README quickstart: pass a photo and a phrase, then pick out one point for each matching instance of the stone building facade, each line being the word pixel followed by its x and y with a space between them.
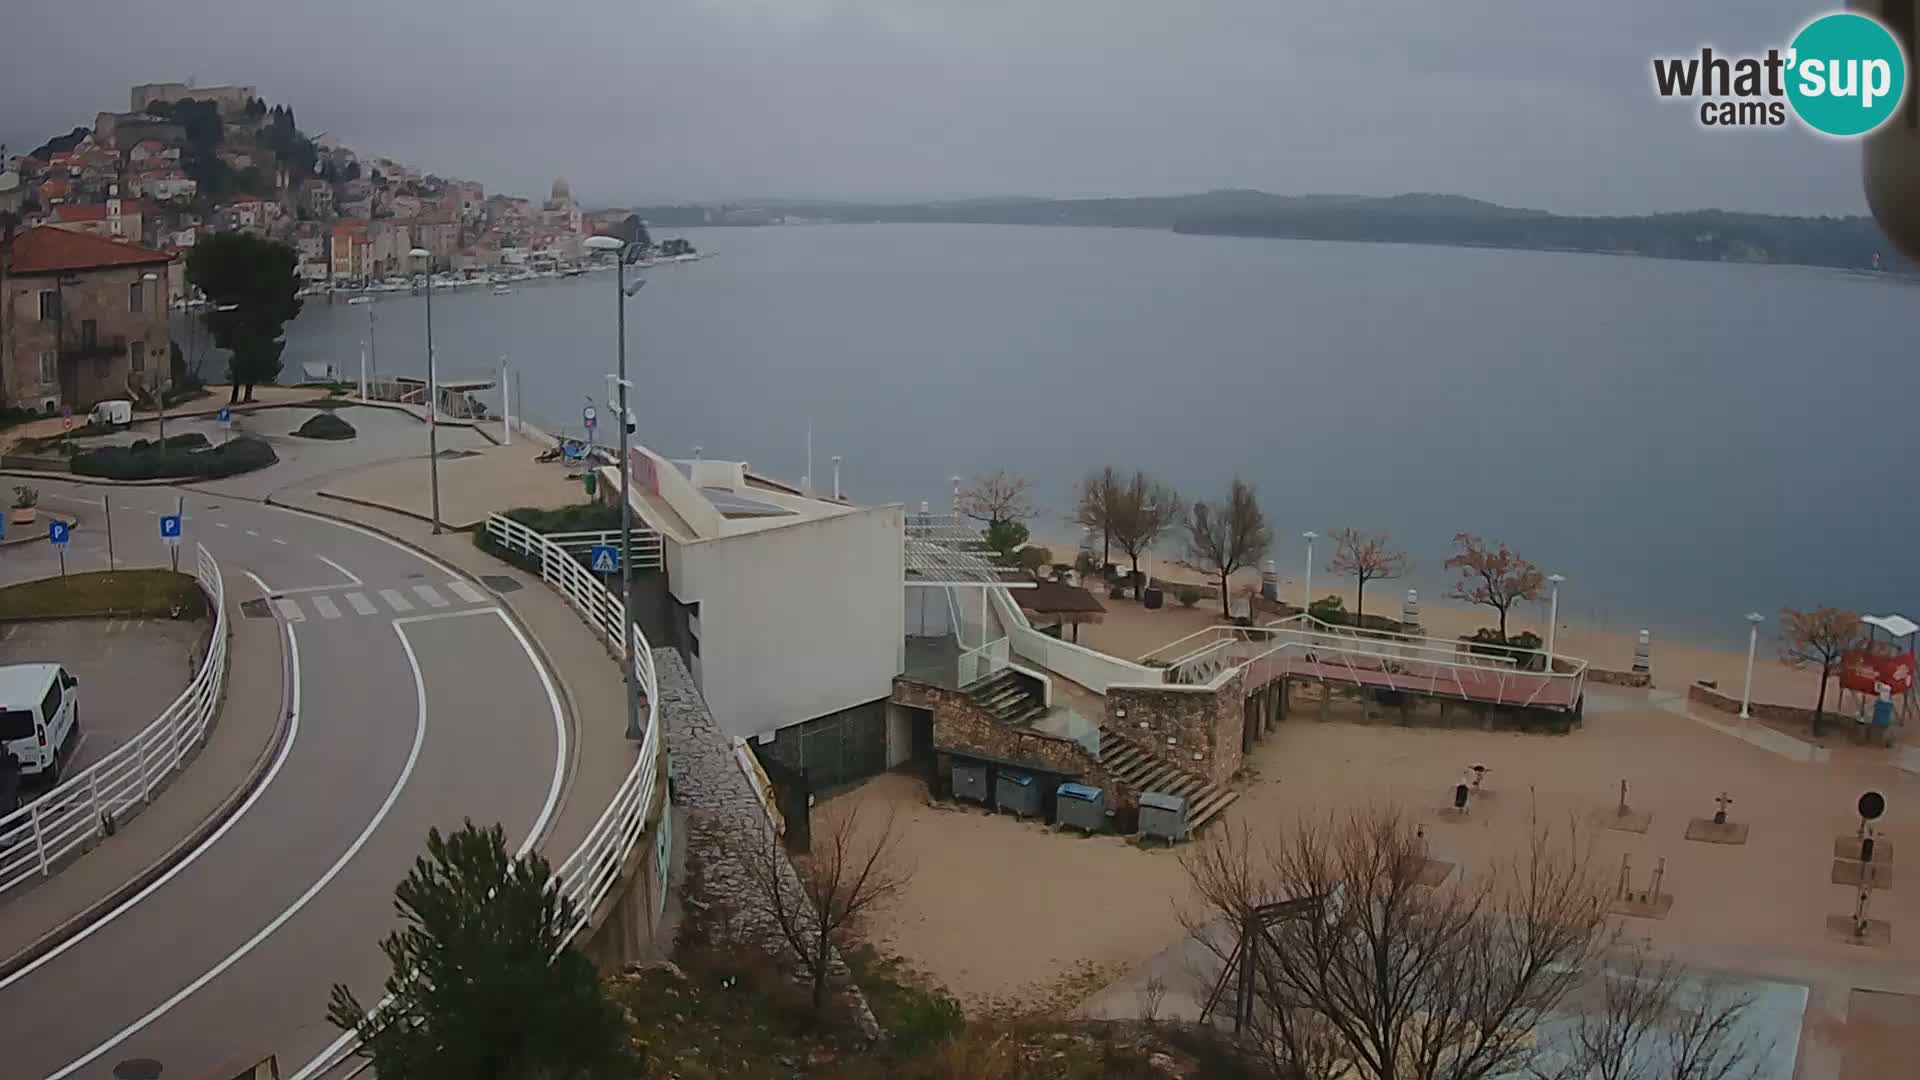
pixel 1198 728
pixel 83 318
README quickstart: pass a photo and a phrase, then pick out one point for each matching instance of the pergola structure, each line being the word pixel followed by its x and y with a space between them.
pixel 944 553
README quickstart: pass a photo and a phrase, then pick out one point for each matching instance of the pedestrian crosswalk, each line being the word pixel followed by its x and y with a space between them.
pixel 325 607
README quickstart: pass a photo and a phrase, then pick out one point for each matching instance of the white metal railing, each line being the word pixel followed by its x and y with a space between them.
pixel 1094 670
pixel 81 807
pixel 590 873
pixel 648 548
pixel 1400 662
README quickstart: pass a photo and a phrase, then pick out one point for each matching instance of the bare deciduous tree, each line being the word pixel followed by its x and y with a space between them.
pixel 818 907
pixel 1821 636
pixel 1646 1017
pixel 1224 538
pixel 1093 502
pixel 997 498
pixel 1142 512
pixel 1387 978
pixel 1365 556
pixel 1493 576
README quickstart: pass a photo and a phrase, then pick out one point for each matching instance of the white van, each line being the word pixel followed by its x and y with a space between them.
pixel 39 714
pixel 116 413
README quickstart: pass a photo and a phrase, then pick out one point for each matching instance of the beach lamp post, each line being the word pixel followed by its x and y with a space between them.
pixel 1754 619
pixel 1306 600
pixel 433 391
pixel 622 252
pixel 366 343
pixel 1553 616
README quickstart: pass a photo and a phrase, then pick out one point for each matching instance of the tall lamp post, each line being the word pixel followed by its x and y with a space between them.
pixel 366 344
pixel 1754 619
pixel 1306 601
pixel 622 251
pixel 1553 616
pixel 433 391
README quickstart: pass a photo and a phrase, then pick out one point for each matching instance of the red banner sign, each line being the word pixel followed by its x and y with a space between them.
pixel 1864 673
pixel 642 468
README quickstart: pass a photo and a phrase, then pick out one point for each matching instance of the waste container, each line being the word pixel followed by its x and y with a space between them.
pixel 970 781
pixel 1164 816
pixel 1080 806
pixel 1017 792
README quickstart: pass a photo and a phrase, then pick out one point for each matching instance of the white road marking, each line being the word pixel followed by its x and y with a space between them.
pixel 74 499
pixel 152 513
pixel 289 610
pixel 432 597
pixel 346 573
pixel 467 592
pixel 222 524
pixel 324 605
pixel 395 600
pixel 393 796
pixel 253 532
pixel 286 748
pixel 326 1058
pixel 360 604
pixel 279 541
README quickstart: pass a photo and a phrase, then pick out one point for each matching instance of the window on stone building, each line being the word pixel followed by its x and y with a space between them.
pixel 49 305
pixel 136 297
pixel 89 332
pixel 102 366
pixel 49 367
pixel 137 356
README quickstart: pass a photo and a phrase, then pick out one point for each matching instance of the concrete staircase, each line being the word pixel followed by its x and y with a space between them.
pixel 1008 698
pixel 1143 772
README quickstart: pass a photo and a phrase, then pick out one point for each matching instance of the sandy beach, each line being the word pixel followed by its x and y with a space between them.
pixel 1009 914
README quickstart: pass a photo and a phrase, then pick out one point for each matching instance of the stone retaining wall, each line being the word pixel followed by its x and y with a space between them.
pixel 722 809
pixel 1198 731
pixel 961 726
pixel 1636 679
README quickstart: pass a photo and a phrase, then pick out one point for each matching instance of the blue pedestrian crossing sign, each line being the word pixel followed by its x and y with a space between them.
pixel 606 559
pixel 225 417
pixel 57 532
pixel 170 528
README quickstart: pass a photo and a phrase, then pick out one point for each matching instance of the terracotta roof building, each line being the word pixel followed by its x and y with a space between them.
pixel 83 318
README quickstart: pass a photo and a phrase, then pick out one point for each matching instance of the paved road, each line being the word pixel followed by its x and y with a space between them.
pixel 122 665
pixel 416 704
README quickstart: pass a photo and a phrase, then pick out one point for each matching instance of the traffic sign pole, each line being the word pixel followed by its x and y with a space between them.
pixel 106 504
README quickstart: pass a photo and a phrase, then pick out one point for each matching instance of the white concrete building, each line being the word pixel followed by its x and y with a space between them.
pixel 787 605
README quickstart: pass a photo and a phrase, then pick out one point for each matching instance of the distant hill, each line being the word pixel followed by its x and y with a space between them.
pixel 1850 243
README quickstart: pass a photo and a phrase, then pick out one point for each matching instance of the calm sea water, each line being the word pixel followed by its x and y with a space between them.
pixel 1685 441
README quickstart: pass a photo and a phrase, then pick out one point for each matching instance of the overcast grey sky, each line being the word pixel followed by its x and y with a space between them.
pixel 1543 104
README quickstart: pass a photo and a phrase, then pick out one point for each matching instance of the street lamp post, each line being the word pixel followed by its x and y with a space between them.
pixel 1306 601
pixel 1553 617
pixel 1754 619
pixel 433 390
pixel 366 344
pixel 620 249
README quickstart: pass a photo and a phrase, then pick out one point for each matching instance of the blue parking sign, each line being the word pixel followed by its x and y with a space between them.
pixel 606 559
pixel 170 528
pixel 225 417
pixel 57 532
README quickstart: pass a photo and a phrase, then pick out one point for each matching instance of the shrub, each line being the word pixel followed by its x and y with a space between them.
pixel 1189 596
pixel 1086 563
pixel 1033 557
pixel 1116 591
pixel 325 425
pixel 1487 641
pixel 148 462
pixel 25 497
pixel 1329 609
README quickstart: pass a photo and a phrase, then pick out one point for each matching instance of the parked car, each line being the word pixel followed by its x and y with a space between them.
pixel 39 715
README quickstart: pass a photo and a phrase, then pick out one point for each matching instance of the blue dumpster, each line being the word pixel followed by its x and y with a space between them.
pixel 1080 806
pixel 1017 792
pixel 970 781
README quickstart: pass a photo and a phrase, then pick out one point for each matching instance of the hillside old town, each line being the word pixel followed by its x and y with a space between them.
pixel 95 225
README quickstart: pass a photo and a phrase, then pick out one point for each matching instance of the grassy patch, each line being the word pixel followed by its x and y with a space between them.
pixel 122 592
pixel 915 1012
